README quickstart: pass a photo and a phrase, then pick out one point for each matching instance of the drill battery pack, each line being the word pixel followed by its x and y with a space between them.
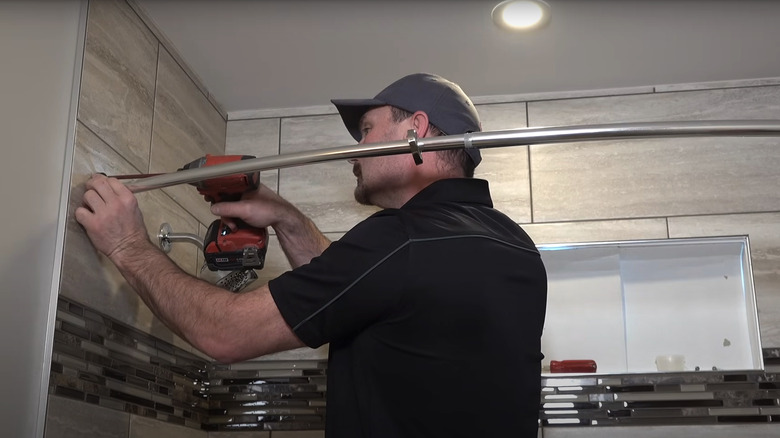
pixel 226 250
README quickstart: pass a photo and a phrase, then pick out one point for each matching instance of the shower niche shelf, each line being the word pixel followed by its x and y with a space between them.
pixel 626 304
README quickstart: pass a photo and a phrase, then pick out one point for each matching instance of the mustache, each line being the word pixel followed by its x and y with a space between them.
pixel 356 170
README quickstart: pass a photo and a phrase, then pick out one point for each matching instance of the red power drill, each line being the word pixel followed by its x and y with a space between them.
pixel 225 249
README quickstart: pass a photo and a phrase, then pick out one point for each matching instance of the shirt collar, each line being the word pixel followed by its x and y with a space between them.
pixel 468 190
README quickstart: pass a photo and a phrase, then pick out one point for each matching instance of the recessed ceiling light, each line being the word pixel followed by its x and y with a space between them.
pixel 521 14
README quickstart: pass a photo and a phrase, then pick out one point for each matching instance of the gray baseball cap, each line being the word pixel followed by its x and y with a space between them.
pixel 447 106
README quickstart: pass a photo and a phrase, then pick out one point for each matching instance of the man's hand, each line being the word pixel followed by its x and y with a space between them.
pixel 299 237
pixel 111 216
pixel 260 208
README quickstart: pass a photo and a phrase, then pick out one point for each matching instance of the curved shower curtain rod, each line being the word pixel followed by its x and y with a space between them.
pixel 489 139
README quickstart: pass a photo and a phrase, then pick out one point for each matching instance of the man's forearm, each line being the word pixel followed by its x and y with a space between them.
pixel 175 297
pixel 300 239
pixel 226 326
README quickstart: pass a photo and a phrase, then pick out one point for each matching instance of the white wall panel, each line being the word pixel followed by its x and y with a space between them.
pixel 41 47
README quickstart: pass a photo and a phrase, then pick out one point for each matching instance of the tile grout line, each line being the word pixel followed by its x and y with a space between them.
pixel 154 109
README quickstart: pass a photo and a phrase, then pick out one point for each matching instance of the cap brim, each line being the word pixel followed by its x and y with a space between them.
pixel 352 110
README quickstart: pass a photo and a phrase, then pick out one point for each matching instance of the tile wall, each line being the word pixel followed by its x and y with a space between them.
pixel 102 362
pixel 140 110
pixel 703 398
pixel 111 379
pixel 271 395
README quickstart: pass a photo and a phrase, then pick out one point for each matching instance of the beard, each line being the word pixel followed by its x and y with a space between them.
pixel 362 193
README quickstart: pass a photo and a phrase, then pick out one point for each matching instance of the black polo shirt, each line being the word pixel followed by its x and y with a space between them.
pixel 434 315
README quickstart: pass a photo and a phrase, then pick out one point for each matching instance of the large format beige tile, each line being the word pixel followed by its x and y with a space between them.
pixel 597 231
pixel 258 137
pixel 92 156
pixel 142 427
pixel 764 235
pixel 255 137
pixel 741 83
pixel 557 95
pixel 323 191
pixel 647 178
pixel 117 90
pixel 506 169
pixel 66 418
pixel 186 127
pixel 159 208
pixel 92 279
pixel 500 116
pixel 660 177
pixel 731 103
pixel 166 42
pixel 88 277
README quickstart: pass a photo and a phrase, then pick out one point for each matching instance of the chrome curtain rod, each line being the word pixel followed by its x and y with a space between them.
pixel 489 139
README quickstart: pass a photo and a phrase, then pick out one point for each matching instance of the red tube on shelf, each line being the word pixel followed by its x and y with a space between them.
pixel 573 366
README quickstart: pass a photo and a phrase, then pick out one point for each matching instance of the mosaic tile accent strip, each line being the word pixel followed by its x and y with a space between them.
pixel 277 395
pixel 99 360
pixel 662 399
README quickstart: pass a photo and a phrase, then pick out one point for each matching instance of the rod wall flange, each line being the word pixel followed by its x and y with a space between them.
pixel 166 237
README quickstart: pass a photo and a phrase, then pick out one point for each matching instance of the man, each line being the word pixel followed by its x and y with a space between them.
pixel 433 307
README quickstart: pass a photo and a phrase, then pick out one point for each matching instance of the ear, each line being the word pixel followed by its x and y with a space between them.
pixel 420 123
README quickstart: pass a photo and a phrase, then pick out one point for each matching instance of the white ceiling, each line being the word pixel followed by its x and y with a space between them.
pixel 272 54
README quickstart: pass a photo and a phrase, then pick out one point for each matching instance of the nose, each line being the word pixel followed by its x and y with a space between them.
pixel 352 161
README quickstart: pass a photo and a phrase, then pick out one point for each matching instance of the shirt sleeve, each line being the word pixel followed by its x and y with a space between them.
pixel 356 281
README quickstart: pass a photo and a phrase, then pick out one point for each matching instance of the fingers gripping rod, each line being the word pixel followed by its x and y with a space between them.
pixel 490 139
